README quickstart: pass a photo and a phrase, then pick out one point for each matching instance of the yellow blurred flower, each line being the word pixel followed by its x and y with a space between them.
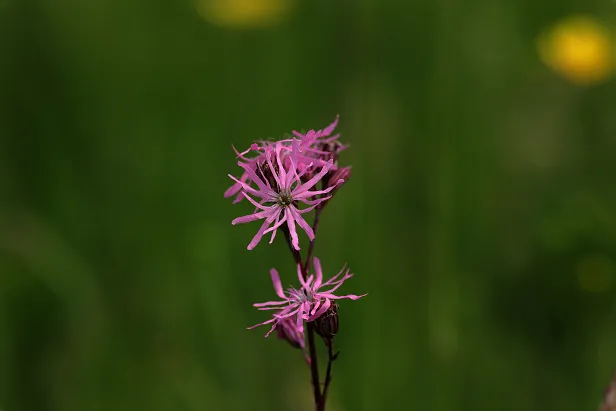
pixel 579 48
pixel 244 13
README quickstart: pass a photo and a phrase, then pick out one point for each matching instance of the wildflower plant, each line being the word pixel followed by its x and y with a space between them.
pixel 284 181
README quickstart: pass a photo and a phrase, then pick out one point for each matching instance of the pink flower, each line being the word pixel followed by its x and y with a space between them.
pixel 344 174
pixel 279 190
pixel 285 329
pixel 320 145
pixel 236 188
pixel 316 147
pixel 306 304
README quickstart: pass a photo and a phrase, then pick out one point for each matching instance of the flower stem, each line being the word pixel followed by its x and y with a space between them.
pixel 319 400
pixel 320 405
pixel 328 375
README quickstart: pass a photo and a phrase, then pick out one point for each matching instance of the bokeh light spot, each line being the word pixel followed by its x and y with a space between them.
pixel 245 13
pixel 578 48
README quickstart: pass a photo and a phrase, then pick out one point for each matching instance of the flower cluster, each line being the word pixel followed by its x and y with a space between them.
pixel 307 303
pixel 284 180
pixel 285 174
pixel 316 147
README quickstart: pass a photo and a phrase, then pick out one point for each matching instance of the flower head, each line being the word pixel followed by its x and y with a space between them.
pixel 316 148
pixel 313 299
pixel 280 189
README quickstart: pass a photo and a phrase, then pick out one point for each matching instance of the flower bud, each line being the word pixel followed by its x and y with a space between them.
pixel 342 173
pixel 285 330
pixel 327 324
pixel 331 150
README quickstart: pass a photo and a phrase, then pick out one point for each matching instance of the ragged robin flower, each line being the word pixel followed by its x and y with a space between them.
pixel 309 302
pixel 279 191
pixel 316 148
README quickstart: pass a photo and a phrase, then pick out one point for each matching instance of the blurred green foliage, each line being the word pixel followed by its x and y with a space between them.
pixel 480 217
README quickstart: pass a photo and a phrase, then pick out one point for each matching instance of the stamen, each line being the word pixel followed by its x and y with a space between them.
pixel 284 199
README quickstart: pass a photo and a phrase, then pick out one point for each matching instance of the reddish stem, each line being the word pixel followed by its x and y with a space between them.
pixel 319 397
pixel 328 373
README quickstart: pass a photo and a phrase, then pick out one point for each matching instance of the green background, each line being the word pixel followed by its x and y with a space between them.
pixel 480 218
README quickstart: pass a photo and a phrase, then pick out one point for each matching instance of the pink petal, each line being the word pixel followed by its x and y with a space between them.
pixel 289 311
pixel 338 283
pixel 316 306
pixel 311 135
pixel 257 237
pixel 250 217
pixel 271 329
pixel 251 190
pixel 238 198
pixel 299 324
pixel 272 303
pixel 337 297
pixel 333 138
pixel 315 151
pixel 302 223
pixel 274 228
pixel 260 324
pixel 293 168
pixel 321 310
pixel 306 210
pixel 331 280
pixel 328 130
pixel 257 205
pixel 307 194
pixel 315 179
pixel 306 168
pixel 271 165
pixel 318 271
pixel 291 225
pixel 282 172
pixel 264 189
pixel 242 155
pixel 301 278
pixel 302 314
pixel 277 284
pixel 234 189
